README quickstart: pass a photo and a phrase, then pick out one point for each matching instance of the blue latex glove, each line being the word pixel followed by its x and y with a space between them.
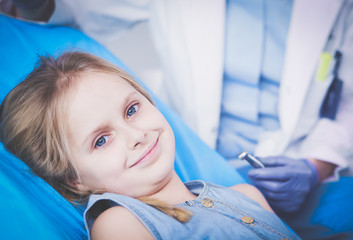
pixel 285 182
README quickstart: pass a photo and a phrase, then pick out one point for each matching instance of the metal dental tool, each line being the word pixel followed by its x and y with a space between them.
pixel 256 163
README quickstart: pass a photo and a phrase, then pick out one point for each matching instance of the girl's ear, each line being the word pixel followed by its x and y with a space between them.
pixel 76 184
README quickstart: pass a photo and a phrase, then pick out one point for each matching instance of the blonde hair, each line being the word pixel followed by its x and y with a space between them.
pixel 31 126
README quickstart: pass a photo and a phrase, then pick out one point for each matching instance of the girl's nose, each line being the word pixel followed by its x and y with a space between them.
pixel 136 137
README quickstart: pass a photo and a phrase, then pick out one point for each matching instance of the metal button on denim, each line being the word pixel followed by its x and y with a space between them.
pixel 247 219
pixel 206 202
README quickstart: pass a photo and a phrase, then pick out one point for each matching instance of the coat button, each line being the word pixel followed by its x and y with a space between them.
pixel 247 219
pixel 206 202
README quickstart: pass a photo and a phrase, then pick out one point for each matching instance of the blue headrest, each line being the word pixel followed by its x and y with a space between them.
pixel 30 208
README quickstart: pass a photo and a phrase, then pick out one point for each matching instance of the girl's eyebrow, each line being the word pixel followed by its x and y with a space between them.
pixel 104 127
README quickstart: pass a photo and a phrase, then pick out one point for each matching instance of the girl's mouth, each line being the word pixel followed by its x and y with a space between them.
pixel 149 154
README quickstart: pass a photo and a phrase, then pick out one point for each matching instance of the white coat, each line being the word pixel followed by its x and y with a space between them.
pixel 189 38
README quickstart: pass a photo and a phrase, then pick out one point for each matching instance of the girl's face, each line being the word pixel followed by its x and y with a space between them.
pixel 119 141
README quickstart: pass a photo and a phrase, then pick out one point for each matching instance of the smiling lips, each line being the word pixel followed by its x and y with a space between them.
pixel 148 154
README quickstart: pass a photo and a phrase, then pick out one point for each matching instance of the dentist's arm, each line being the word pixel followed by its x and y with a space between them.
pixel 324 169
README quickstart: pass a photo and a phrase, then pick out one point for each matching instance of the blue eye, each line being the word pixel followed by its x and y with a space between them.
pixel 100 142
pixel 132 110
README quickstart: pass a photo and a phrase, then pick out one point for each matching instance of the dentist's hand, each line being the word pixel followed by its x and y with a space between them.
pixel 28 4
pixel 285 182
pixel 38 10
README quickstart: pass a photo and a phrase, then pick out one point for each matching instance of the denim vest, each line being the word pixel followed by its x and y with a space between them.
pixel 217 213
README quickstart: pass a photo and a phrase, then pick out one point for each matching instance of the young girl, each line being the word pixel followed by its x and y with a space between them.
pixel 90 130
